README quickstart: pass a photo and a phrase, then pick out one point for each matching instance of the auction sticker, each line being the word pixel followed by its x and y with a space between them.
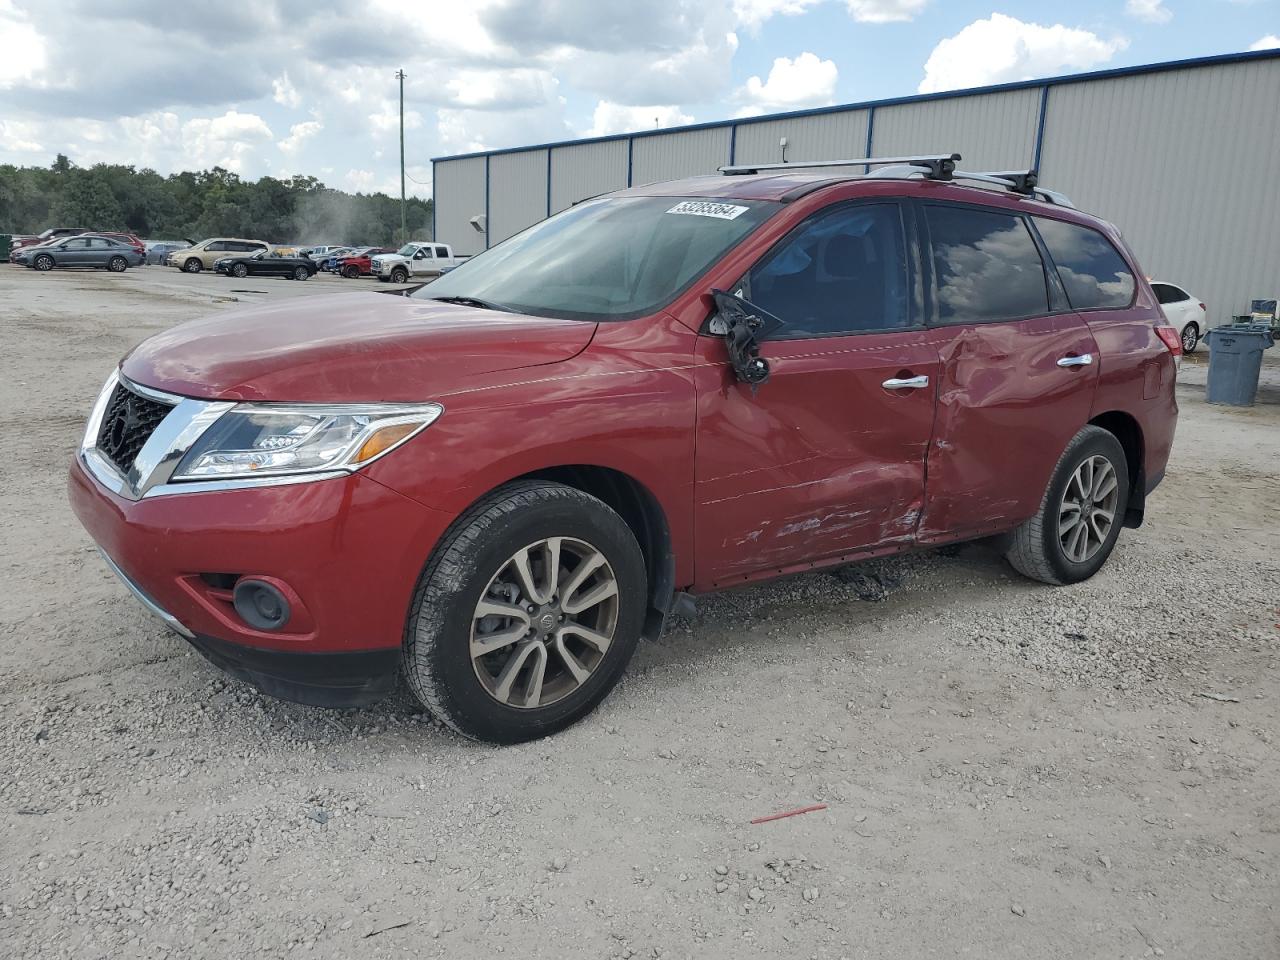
pixel 708 208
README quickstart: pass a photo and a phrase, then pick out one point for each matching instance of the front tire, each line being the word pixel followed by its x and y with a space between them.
pixel 351 272
pixel 526 614
pixel 1074 531
pixel 43 263
pixel 399 276
pixel 1190 338
pixel 117 264
pixel 301 273
pixel 240 270
pixel 192 265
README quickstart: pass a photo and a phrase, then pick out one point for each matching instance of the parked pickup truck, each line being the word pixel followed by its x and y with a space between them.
pixel 417 259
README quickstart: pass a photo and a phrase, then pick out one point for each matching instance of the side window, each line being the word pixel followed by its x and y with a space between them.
pixel 442 252
pixel 1168 293
pixel 842 272
pixel 76 245
pixel 423 253
pixel 1092 270
pixel 986 266
pixel 218 246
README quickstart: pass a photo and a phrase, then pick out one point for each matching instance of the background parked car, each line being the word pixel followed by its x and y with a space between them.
pixel 330 260
pixel 21 240
pixel 266 265
pixel 158 250
pixel 53 233
pixel 205 254
pixel 132 239
pixel 88 251
pixel 1183 311
pixel 358 264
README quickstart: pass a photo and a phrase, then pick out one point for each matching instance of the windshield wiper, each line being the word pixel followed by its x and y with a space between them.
pixel 474 302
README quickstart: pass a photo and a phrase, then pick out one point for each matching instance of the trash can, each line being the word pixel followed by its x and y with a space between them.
pixel 6 246
pixel 1235 360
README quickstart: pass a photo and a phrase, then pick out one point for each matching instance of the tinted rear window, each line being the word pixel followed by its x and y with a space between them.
pixel 986 266
pixel 1092 270
pixel 1167 293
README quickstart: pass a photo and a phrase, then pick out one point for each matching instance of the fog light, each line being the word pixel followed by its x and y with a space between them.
pixel 260 605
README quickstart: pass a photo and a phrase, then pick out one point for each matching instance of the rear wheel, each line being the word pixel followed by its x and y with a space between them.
pixel 399 275
pixel 192 265
pixel 117 264
pixel 527 613
pixel 1075 530
pixel 43 262
pixel 1190 338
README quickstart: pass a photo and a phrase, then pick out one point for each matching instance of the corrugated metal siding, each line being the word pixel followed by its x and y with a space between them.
pixel 833 136
pixel 993 131
pixel 676 155
pixel 517 192
pixel 1187 165
pixel 459 196
pixel 586 170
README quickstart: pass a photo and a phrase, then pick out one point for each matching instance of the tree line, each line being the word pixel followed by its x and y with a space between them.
pixel 200 204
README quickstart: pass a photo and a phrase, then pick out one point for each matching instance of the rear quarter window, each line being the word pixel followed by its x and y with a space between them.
pixel 1094 274
pixel 986 266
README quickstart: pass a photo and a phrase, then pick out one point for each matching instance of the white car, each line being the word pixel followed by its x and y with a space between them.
pixel 1187 314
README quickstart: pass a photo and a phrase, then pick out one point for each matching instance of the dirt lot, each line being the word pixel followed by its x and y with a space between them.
pixel 1011 770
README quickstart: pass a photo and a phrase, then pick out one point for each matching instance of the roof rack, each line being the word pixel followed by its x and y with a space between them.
pixel 938 167
pixel 1022 182
pixel 932 167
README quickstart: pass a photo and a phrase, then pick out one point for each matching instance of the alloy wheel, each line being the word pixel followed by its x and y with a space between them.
pixel 44 263
pixel 1189 338
pixel 544 622
pixel 1088 509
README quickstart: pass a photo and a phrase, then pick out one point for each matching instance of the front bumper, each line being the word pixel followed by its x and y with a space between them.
pixel 346 550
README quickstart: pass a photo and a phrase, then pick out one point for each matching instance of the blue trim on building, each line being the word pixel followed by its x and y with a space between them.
pixel 433 199
pixel 548 181
pixel 631 145
pixel 1044 110
pixel 733 143
pixel 896 101
pixel 486 202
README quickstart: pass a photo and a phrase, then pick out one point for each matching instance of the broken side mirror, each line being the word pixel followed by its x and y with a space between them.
pixel 744 326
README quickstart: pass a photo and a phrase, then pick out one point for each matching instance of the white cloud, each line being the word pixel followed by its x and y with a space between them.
pixel 360 180
pixel 752 13
pixel 885 11
pixel 1002 49
pixel 224 141
pixel 298 133
pixel 22 48
pixel 805 81
pixel 610 118
pixel 1150 11
pixel 18 137
pixel 284 92
pixel 1269 42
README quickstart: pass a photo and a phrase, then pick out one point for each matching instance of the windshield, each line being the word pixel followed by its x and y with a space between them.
pixel 408 250
pixel 608 259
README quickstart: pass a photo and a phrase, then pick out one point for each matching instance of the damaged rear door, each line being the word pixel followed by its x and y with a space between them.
pixel 826 457
pixel 1019 370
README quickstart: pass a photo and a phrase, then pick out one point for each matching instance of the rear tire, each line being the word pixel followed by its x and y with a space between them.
pixel 1080 516
pixel 117 264
pixel 1190 337
pixel 192 265
pixel 476 564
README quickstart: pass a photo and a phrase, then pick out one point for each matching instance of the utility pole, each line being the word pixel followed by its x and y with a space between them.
pixel 404 216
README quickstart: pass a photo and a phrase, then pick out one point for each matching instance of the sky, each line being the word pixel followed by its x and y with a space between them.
pixel 282 87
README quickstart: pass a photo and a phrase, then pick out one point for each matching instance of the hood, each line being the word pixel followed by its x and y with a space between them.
pixel 390 257
pixel 348 348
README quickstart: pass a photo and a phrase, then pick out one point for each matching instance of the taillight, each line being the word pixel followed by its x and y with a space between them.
pixel 1171 340
pixel 1203 308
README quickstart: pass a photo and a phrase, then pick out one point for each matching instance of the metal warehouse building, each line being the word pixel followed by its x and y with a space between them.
pixel 1184 157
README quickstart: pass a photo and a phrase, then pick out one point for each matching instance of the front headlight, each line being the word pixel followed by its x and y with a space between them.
pixel 264 440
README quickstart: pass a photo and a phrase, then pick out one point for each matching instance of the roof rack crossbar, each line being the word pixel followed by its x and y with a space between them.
pixel 937 166
pixel 1022 182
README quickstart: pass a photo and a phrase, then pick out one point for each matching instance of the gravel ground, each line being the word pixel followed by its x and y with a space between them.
pixel 1009 770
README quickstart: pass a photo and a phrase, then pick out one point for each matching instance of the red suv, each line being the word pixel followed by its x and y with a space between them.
pixel 500 483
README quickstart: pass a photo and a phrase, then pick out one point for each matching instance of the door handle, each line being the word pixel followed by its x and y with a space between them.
pixel 905 383
pixel 1084 360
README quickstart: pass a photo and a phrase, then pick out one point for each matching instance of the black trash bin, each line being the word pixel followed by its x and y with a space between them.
pixel 1235 360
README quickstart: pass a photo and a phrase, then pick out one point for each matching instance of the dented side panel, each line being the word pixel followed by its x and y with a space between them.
pixel 821 461
pixel 1006 411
